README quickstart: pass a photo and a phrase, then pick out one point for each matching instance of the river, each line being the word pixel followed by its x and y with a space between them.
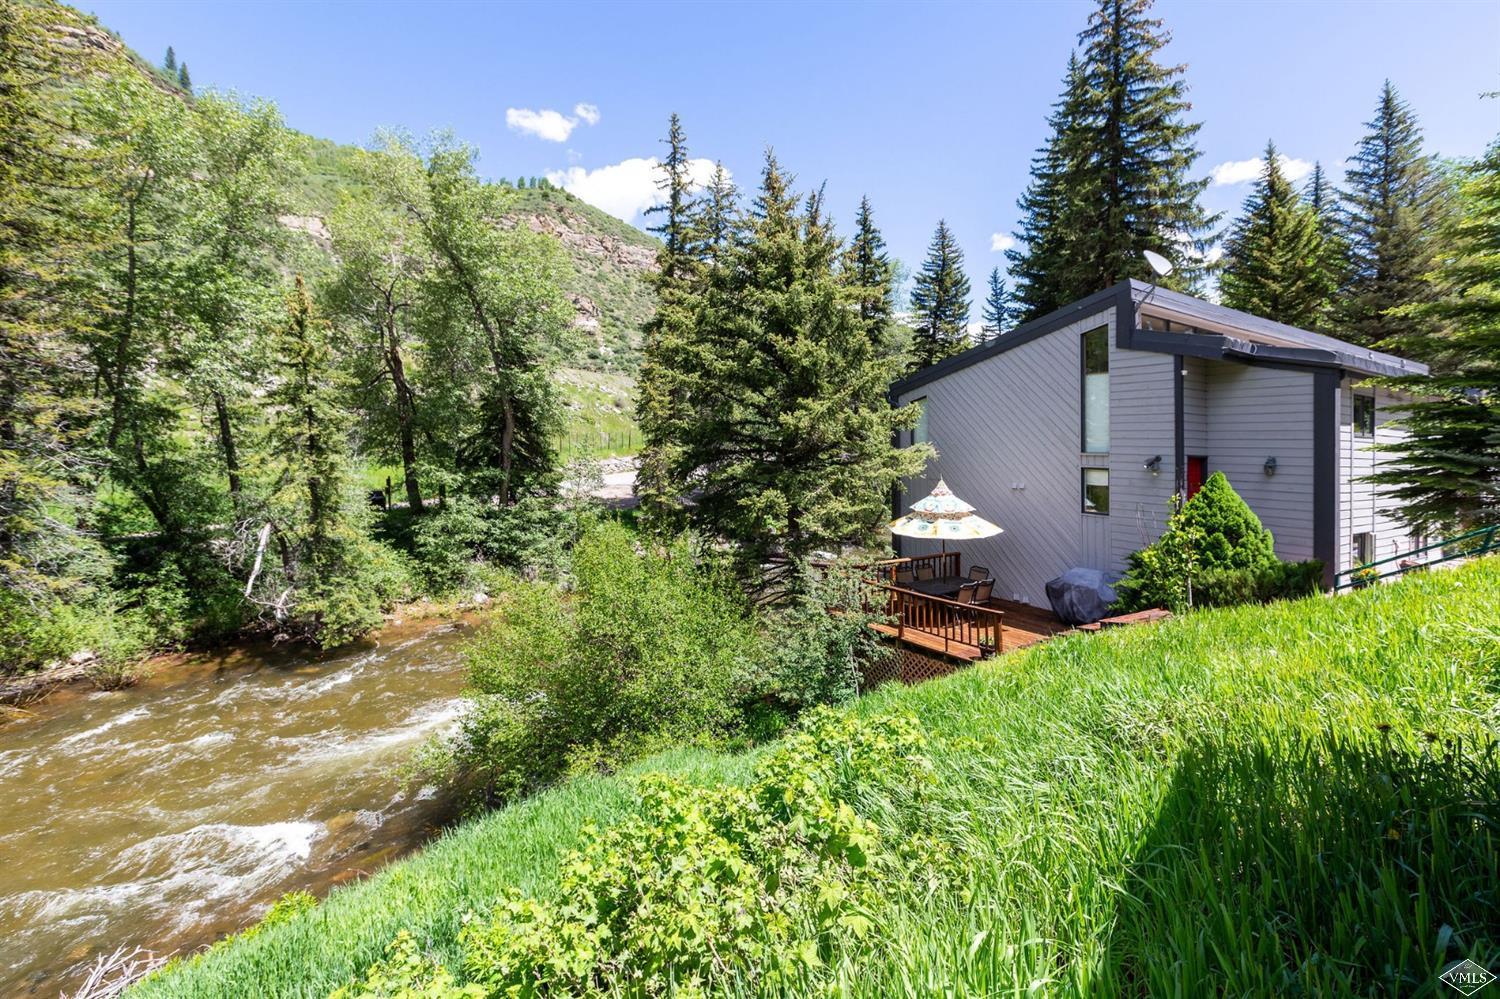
pixel 169 813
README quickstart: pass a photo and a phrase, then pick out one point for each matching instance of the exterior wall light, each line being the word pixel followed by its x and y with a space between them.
pixel 1153 465
pixel 1270 467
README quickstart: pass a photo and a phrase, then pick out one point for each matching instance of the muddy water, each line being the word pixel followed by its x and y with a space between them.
pixel 170 813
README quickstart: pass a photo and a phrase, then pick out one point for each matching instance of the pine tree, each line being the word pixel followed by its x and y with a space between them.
pixel 661 401
pixel 1394 201
pixel 1039 262
pixel 785 434
pixel 867 268
pixel 940 300
pixel 1446 472
pixel 184 80
pixel 676 208
pixel 999 312
pixel 1274 253
pixel 713 223
pixel 1132 192
pixel 1323 199
pixel 1112 180
pixel 170 62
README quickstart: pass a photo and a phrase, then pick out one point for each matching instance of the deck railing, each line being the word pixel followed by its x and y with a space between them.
pixel 943 564
pixel 954 623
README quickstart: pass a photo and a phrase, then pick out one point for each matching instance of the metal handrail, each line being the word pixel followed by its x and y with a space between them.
pixel 1356 577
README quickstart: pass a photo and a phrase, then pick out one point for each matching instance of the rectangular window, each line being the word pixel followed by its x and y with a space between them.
pixel 919 432
pixel 1364 415
pixel 1096 391
pixel 1363 548
pixel 1096 491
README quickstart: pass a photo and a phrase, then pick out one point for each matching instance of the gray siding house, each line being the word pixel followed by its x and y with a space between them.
pixel 1073 432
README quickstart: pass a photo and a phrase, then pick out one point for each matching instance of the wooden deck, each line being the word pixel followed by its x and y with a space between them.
pixel 1022 625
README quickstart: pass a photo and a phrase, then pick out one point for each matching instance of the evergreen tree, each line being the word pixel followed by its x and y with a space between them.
pixel 940 301
pixel 661 401
pixel 1113 179
pixel 1132 192
pixel 170 62
pixel 1039 263
pixel 1323 199
pixel 1446 472
pixel 999 312
pixel 713 223
pixel 1274 253
pixel 785 433
pixel 867 268
pixel 184 80
pixel 1394 202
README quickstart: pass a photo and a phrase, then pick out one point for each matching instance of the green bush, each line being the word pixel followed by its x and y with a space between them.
pixel 815 647
pixel 750 888
pixel 457 547
pixel 1276 581
pixel 1214 532
pixel 650 648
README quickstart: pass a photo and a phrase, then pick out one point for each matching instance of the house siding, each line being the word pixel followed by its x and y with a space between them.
pixel 1255 413
pixel 1142 425
pixel 1363 506
pixel 1007 432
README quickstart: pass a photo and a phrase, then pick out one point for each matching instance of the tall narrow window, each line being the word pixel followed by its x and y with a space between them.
pixel 919 432
pixel 1364 415
pixel 1096 391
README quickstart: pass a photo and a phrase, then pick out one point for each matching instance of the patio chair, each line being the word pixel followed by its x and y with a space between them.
pixel 904 576
pixel 982 591
pixel 978 572
pixel 925 571
pixel 966 593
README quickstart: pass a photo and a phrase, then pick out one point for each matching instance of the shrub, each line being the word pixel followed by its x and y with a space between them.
pixel 649 648
pixel 1214 532
pixel 749 888
pixel 1276 581
pixel 815 647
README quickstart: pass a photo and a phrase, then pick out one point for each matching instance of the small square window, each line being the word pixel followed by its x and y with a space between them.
pixel 1096 491
pixel 1364 415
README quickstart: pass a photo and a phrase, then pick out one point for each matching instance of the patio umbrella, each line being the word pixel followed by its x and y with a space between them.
pixel 942 516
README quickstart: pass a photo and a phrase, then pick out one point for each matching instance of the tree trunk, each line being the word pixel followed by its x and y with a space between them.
pixel 226 441
pixel 405 417
pixel 507 447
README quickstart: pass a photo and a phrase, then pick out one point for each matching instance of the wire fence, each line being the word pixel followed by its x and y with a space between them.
pixel 597 443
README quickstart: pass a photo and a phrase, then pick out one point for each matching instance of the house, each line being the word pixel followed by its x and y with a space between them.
pixel 1075 431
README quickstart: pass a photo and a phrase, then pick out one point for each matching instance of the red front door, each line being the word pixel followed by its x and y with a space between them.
pixel 1197 471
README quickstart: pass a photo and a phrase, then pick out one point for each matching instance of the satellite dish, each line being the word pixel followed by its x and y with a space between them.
pixel 1160 264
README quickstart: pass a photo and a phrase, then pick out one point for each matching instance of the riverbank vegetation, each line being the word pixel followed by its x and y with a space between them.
pixel 1297 796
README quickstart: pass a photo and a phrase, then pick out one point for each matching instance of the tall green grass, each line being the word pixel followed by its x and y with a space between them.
pixel 1302 798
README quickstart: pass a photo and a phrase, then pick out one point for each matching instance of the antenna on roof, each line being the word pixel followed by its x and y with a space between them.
pixel 1160 266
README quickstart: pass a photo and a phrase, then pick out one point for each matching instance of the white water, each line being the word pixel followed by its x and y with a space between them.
pixel 169 814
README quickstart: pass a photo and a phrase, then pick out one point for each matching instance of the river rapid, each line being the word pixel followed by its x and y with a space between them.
pixel 169 813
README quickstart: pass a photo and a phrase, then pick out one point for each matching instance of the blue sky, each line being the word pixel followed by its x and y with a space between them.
pixel 931 109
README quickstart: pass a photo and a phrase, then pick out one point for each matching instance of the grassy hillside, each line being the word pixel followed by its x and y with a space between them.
pixel 1295 799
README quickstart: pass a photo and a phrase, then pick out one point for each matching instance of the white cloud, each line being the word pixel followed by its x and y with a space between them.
pixel 625 189
pixel 553 126
pixel 1000 242
pixel 1244 171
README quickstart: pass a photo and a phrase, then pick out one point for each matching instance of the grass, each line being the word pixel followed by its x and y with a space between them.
pixel 600 408
pixel 1301 798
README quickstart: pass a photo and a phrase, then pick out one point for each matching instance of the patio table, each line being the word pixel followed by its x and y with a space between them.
pixel 942 586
